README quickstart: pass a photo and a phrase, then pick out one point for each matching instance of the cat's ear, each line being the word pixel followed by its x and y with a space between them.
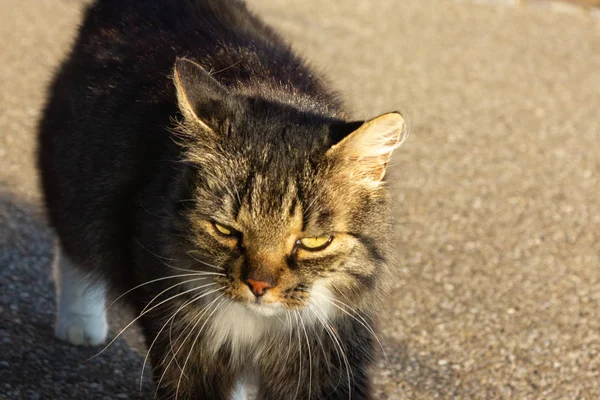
pixel 201 98
pixel 366 147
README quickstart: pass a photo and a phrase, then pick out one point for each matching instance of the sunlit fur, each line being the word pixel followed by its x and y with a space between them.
pixel 184 151
pixel 273 198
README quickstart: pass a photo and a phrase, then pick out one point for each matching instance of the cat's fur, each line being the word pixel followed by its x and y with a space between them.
pixel 169 116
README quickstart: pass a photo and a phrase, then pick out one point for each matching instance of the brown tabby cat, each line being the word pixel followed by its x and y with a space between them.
pixel 190 159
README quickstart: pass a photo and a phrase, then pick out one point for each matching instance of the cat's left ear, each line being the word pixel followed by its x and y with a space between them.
pixel 201 98
pixel 365 151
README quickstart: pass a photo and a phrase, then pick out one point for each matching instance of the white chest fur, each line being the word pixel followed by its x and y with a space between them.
pixel 241 327
pixel 245 330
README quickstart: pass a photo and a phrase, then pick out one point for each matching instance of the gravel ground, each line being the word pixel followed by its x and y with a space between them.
pixel 497 291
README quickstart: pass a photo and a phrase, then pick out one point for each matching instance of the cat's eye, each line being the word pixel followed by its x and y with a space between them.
pixel 223 230
pixel 315 243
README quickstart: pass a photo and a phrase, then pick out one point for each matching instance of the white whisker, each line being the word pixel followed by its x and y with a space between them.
pixel 335 338
pixel 160 331
pixel 178 284
pixel 158 280
pixel 224 69
pixel 193 343
pixel 310 205
pixel 309 359
pixel 140 316
pixel 154 254
pixel 337 349
pixel 295 314
pixel 319 339
pixel 162 258
pixel 198 319
pixel 362 321
pixel 186 328
pixel 291 323
pixel 189 253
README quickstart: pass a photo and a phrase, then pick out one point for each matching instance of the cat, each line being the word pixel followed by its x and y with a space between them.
pixel 192 161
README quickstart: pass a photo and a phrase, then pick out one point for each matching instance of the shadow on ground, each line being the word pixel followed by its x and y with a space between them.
pixel 30 356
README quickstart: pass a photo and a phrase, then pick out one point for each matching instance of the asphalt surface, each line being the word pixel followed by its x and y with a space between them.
pixel 497 290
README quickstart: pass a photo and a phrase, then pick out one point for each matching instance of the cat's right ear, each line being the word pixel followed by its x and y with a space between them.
pixel 202 100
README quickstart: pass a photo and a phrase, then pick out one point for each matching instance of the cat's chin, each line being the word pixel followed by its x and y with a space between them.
pixel 265 310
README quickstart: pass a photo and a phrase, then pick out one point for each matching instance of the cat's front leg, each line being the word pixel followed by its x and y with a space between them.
pixel 81 314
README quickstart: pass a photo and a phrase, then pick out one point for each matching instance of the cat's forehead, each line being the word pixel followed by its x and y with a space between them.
pixel 268 196
pixel 272 156
pixel 270 210
pixel 274 196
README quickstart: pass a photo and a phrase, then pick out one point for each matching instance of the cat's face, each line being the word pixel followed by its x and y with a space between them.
pixel 288 209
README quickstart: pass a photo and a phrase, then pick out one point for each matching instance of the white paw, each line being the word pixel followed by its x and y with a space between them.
pixel 82 330
pixel 81 318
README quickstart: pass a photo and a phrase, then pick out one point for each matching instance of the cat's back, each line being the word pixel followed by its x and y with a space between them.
pixel 122 61
pixel 138 41
pixel 230 20
pixel 169 28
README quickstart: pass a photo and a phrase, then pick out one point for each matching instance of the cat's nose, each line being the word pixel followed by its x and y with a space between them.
pixel 258 287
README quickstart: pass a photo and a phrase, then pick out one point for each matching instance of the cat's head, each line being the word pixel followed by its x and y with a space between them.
pixel 287 207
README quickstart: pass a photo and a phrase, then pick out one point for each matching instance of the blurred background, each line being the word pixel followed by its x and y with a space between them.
pixel 497 286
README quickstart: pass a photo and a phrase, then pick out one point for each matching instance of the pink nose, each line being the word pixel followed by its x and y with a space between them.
pixel 258 287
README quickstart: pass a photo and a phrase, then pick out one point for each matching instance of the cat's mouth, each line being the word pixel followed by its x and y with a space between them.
pixel 271 302
pixel 265 309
